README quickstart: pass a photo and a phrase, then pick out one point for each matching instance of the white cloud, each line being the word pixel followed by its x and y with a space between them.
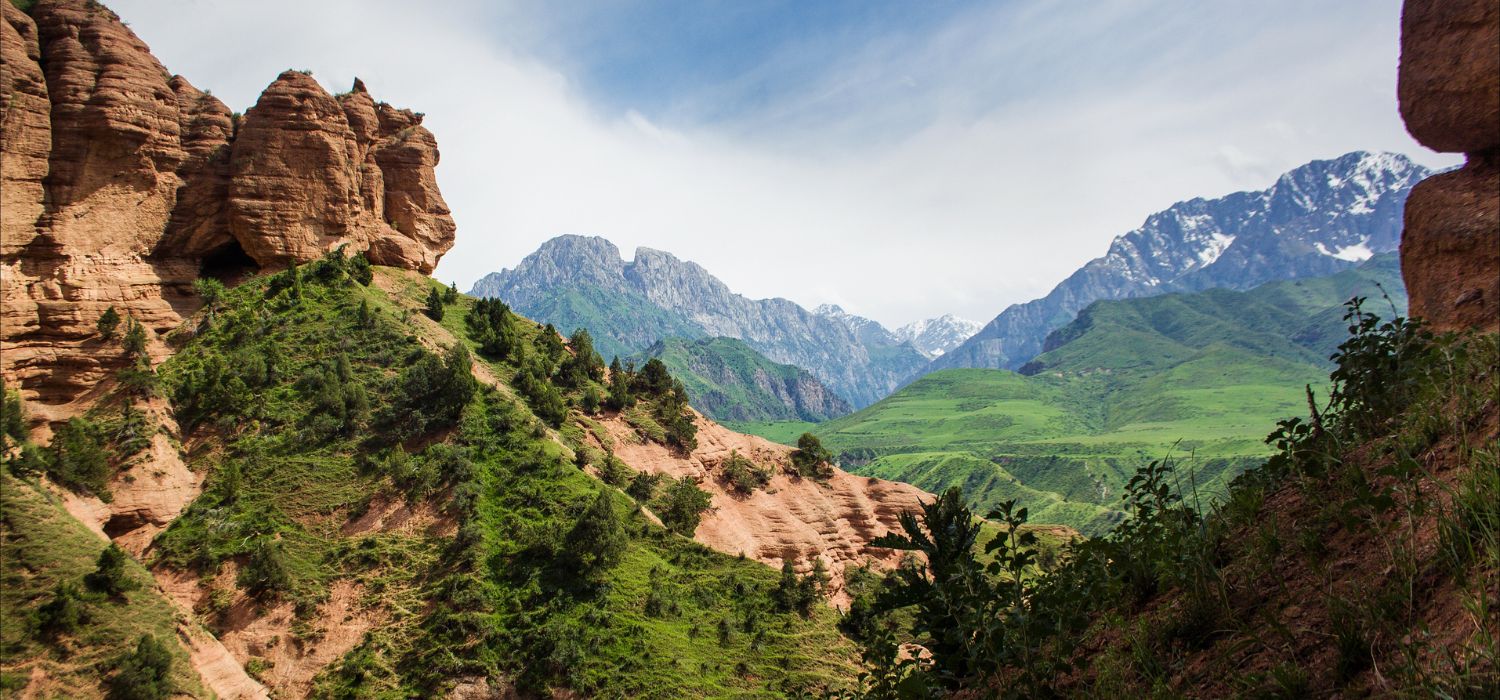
pixel 902 184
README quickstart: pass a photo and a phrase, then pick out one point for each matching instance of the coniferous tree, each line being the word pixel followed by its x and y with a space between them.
pixel 143 674
pixel 135 338
pixel 359 269
pixel 620 397
pixel 434 308
pixel 64 613
pixel 77 458
pixel 365 317
pixel 109 575
pixel 294 273
pixel 683 506
pixel 210 291
pixel 812 459
pixel 108 322
pixel 643 486
pixel 450 296
pixel 597 541
pixel 12 415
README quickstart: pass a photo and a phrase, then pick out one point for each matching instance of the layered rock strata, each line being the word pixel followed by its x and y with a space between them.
pixel 121 184
pixel 792 518
pixel 1450 99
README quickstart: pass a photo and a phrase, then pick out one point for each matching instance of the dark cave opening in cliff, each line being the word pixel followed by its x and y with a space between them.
pixel 228 263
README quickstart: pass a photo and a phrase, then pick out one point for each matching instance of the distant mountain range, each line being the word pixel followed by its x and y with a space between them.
pixel 582 282
pixel 1318 219
pixel 1203 376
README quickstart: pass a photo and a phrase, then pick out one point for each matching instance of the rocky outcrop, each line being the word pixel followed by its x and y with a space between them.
pixel 1450 98
pixel 121 184
pixel 310 172
pixel 1316 220
pixel 792 518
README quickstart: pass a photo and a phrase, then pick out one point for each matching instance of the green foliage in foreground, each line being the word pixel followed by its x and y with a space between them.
pixel 543 575
pixel 1194 377
pixel 1400 399
pixel 52 619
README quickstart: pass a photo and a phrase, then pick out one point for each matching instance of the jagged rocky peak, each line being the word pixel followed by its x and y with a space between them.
pixel 1450 98
pixel 123 183
pixel 1317 219
pixel 935 336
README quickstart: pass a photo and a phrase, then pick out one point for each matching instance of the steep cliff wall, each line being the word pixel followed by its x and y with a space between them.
pixel 122 184
pixel 1450 98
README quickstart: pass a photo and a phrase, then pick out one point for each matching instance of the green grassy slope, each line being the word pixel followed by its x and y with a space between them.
pixel 1194 376
pixel 291 458
pixel 729 381
pixel 44 546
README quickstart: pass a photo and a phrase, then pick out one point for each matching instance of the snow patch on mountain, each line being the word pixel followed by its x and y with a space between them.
pixel 1359 252
pixel 935 336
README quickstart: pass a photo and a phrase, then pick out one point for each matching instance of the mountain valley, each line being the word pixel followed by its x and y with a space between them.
pixel 251 448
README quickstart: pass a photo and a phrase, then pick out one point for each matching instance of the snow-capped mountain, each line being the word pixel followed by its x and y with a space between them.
pixel 936 336
pixel 1317 219
pixel 869 331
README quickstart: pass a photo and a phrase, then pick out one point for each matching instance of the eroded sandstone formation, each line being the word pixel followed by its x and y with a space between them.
pixel 791 518
pixel 1450 98
pixel 122 184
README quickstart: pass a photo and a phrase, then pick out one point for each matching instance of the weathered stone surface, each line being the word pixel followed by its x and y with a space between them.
pixel 121 184
pixel 1450 73
pixel 111 156
pixel 294 180
pixel 26 139
pixel 199 223
pixel 1450 99
pixel 1450 252
pixel 310 172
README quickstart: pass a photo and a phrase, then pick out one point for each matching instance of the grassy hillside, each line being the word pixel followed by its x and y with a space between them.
pixel 347 447
pixel 45 551
pixel 1360 560
pixel 729 381
pixel 1194 376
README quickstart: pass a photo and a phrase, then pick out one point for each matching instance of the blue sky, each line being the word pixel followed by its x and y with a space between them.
pixel 901 159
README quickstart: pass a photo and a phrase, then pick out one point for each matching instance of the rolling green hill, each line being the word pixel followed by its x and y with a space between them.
pixel 1197 377
pixel 729 381
pixel 317 406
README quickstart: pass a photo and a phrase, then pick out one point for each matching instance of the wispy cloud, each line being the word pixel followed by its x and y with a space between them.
pixel 958 168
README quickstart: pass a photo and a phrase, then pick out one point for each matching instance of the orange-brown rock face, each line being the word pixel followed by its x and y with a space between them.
pixel 1450 99
pixel 792 518
pixel 1450 251
pixel 310 172
pixel 121 184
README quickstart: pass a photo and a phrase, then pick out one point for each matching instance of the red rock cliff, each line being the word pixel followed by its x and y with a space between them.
pixel 1450 98
pixel 121 184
